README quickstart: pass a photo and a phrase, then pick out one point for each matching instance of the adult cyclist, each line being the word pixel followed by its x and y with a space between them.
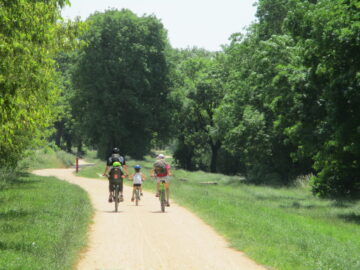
pixel 162 175
pixel 114 158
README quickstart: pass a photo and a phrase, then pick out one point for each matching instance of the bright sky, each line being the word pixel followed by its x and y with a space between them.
pixel 202 23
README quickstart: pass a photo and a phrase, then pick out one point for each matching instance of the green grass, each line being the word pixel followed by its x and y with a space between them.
pixel 283 228
pixel 43 223
pixel 93 171
pixel 46 158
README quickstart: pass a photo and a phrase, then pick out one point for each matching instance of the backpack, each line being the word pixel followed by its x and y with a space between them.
pixel 160 166
pixel 117 157
pixel 115 174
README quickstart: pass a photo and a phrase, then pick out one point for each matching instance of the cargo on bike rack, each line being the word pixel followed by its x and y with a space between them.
pixel 116 183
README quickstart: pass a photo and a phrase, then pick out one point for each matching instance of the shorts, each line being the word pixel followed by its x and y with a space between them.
pixel 163 178
pixel 111 185
pixel 136 185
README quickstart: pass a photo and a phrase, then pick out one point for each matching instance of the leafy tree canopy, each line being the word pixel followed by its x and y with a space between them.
pixel 122 82
pixel 31 33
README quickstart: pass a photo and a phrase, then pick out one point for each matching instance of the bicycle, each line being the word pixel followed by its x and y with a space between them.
pixel 137 195
pixel 115 187
pixel 115 193
pixel 162 195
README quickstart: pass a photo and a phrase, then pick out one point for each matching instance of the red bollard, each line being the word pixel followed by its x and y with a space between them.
pixel 77 164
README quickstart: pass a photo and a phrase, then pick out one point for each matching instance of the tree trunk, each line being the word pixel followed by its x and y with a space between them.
pixel 68 144
pixel 59 132
pixel 80 151
pixel 214 153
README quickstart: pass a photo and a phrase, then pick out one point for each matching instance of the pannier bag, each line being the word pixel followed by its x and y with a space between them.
pixel 116 173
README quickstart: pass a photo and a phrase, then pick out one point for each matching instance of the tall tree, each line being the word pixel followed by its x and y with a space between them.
pixel 246 115
pixel 200 92
pixel 293 98
pixel 328 32
pixel 67 133
pixel 122 82
pixel 31 33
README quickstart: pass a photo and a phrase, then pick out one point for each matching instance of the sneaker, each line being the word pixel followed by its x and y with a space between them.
pixel 132 199
pixel 167 204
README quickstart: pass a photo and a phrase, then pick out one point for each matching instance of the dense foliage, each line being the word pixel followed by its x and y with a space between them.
pixel 280 101
pixel 67 133
pixel 30 35
pixel 290 105
pixel 329 34
pixel 121 81
pixel 198 89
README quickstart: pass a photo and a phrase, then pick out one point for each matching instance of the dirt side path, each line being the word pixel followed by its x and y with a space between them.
pixel 143 238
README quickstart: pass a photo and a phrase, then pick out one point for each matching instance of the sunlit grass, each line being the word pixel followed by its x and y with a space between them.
pixel 282 228
pixel 43 223
pixel 46 158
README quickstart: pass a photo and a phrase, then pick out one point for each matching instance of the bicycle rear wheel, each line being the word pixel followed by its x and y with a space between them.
pixel 162 200
pixel 137 196
pixel 116 197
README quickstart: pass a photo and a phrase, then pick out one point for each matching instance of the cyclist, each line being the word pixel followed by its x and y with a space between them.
pixel 162 174
pixel 138 177
pixel 115 157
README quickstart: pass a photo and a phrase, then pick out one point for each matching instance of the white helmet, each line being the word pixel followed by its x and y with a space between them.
pixel 160 156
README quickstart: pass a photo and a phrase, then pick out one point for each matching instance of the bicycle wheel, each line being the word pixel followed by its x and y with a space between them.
pixel 162 200
pixel 116 199
pixel 137 196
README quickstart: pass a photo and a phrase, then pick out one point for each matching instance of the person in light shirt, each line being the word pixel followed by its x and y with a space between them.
pixel 138 177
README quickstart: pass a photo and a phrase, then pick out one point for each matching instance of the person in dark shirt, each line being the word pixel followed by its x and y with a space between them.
pixel 115 157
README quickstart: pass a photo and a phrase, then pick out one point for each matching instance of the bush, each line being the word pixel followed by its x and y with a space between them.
pixel 334 181
pixel 6 176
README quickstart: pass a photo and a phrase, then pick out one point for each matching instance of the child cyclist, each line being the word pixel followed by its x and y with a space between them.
pixel 138 177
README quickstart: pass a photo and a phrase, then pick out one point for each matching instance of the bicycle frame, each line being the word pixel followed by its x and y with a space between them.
pixel 115 193
pixel 136 192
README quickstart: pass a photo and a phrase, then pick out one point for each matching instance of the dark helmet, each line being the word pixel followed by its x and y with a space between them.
pixel 137 167
pixel 116 150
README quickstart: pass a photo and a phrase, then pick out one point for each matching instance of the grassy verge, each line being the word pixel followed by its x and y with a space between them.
pixel 43 223
pixel 47 158
pixel 93 171
pixel 284 228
